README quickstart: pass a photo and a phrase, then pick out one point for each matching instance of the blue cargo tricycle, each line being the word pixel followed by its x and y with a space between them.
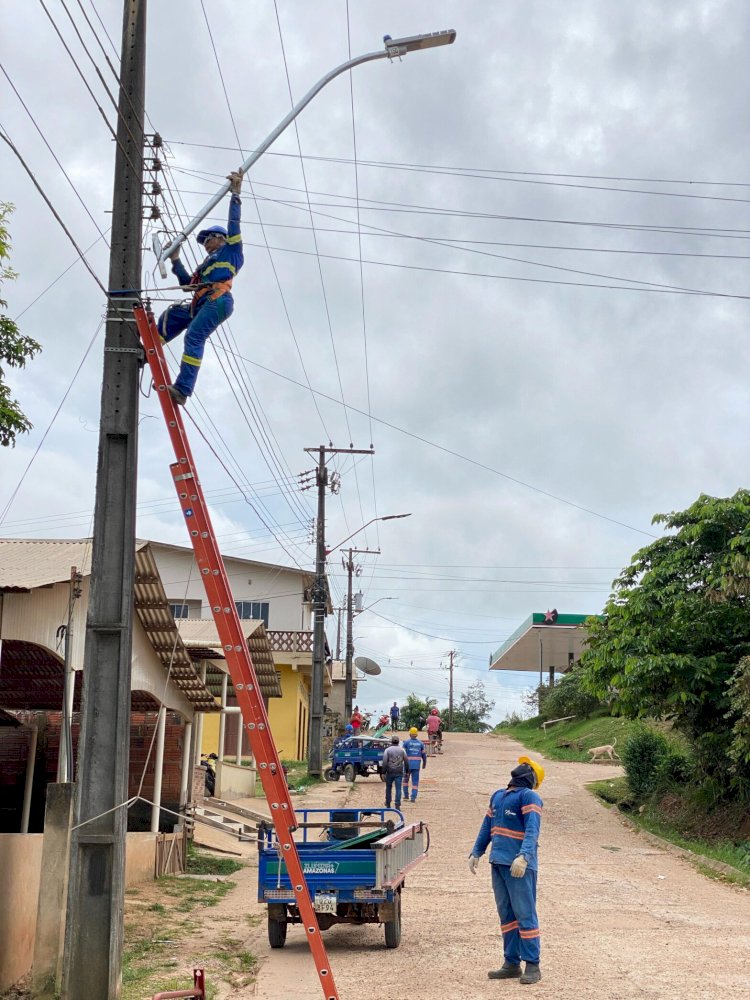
pixel 357 756
pixel 354 874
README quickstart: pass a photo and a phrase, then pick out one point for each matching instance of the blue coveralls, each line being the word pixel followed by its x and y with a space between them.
pixel 417 758
pixel 512 825
pixel 211 304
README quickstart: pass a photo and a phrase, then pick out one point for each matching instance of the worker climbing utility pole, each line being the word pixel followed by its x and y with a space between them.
pixel 320 604
pixel 96 895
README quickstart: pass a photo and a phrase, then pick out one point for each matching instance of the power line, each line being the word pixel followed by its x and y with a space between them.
pixel 465 458
pixel 4 136
pixel 440 169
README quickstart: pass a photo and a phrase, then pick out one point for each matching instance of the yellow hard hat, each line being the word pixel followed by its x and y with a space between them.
pixel 536 768
pixel 413 731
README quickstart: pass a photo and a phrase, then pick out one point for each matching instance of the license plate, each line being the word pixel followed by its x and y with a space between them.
pixel 325 902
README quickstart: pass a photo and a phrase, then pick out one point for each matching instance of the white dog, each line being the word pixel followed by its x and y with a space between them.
pixel 608 749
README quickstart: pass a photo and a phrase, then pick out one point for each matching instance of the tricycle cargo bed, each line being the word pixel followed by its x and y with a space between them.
pixel 355 875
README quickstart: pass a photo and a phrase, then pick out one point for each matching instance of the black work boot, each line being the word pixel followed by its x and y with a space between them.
pixel 532 973
pixel 179 397
pixel 508 971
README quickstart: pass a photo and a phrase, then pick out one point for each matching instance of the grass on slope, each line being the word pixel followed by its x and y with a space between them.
pixel 578 735
pixel 651 817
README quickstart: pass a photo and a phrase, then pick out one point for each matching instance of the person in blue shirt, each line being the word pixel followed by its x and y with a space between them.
pixel 395 712
pixel 348 731
pixel 212 301
pixel 415 751
pixel 512 827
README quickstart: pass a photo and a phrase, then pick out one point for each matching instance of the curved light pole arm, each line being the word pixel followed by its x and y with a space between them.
pixel 177 242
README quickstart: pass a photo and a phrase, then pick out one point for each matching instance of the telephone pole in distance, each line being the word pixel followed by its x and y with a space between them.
pixel 320 601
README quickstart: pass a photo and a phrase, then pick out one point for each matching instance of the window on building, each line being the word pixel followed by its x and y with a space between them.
pixel 253 609
pixel 180 610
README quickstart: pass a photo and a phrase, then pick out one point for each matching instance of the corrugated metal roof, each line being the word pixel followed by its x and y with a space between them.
pixel 26 564
pixel 152 608
pixel 201 634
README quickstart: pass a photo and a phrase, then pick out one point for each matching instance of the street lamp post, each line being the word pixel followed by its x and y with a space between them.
pixel 349 566
pixel 394 48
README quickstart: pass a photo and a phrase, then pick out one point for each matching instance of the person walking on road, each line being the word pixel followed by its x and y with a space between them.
pixel 417 758
pixel 434 723
pixel 512 826
pixel 395 712
pixel 395 762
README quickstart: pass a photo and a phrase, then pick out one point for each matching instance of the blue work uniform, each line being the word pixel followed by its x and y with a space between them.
pixel 417 758
pixel 512 826
pixel 211 304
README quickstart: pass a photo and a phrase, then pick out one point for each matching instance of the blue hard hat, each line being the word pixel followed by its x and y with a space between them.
pixel 211 231
pixel 349 728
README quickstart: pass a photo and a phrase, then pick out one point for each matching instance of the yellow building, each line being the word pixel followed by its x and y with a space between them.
pixel 283 662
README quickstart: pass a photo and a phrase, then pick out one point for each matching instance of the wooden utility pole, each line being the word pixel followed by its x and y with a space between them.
pixel 94 928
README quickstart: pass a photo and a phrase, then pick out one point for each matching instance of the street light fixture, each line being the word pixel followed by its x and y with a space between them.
pixel 362 610
pixel 393 49
pixel 413 43
pixel 385 517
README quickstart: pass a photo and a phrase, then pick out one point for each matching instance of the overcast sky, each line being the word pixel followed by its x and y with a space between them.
pixel 530 421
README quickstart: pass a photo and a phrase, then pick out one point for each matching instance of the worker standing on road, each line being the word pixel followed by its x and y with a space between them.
pixel 433 727
pixel 512 826
pixel 395 712
pixel 212 301
pixel 395 762
pixel 417 758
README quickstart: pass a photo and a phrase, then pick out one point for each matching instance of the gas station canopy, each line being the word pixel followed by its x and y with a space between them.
pixel 546 641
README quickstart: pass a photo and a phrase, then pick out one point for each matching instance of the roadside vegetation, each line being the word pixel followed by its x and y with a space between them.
pixel 470 712
pixel 667 674
pixel 162 917
pixel 297 777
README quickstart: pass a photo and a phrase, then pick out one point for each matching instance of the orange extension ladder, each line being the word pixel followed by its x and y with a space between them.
pixel 233 643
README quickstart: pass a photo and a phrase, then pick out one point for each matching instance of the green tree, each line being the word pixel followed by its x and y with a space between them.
pixel 569 697
pixel 415 711
pixel 15 348
pixel 677 624
pixel 473 710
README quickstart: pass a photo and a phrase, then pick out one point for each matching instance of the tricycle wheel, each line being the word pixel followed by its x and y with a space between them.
pixel 331 774
pixel 350 772
pixel 393 927
pixel 382 775
pixel 276 933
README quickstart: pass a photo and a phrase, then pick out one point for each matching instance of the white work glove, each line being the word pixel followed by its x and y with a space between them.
pixel 518 868
pixel 473 862
pixel 235 181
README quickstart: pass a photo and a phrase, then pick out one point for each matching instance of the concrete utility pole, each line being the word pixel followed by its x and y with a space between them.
pixel 94 930
pixel 450 689
pixel 320 602
pixel 349 677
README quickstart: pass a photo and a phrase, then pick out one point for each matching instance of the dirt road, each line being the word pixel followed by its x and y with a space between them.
pixel 619 917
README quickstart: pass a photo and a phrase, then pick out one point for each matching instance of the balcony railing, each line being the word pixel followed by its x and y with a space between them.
pixel 290 640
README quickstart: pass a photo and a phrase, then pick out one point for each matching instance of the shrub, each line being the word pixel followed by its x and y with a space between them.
pixel 568 697
pixel 676 768
pixel 643 756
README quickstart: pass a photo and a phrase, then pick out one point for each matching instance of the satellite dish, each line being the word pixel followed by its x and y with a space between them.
pixel 366 665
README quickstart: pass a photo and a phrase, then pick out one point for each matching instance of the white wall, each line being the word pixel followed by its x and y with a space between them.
pixel 249 581
pixel 35 617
